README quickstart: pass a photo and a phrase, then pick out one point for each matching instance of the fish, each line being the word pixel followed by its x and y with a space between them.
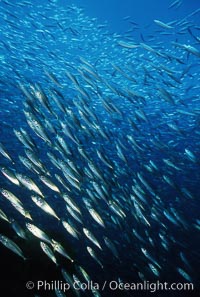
pixel 20 208
pixel 188 48
pixel 5 153
pixel 70 281
pixel 184 274
pixel 149 257
pixel 35 160
pixel 36 126
pixel 49 183
pixel 71 203
pixel 93 255
pixel 163 25
pixel 154 269
pixel 170 164
pixel 10 196
pixel 4 217
pixel 47 250
pixel 24 139
pixel 190 155
pixel 28 183
pixel 74 214
pixel 99 144
pixel 116 209
pixel 96 217
pixel 70 229
pixel 82 271
pixel 40 202
pixel 91 237
pixel 112 247
pixel 38 233
pixel 175 4
pixel 18 229
pixel 11 245
pixel 52 77
pixel 10 175
pixel 60 249
pixel 59 293
pixel 28 164
pixel 127 45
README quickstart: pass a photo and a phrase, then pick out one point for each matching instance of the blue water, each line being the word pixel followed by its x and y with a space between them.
pixel 129 93
pixel 141 12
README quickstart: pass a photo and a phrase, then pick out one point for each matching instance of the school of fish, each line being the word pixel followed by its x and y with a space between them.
pixel 100 145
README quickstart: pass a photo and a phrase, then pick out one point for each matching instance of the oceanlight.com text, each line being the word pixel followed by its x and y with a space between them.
pixel 112 285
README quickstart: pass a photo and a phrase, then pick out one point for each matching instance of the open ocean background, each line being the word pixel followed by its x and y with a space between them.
pixel 101 98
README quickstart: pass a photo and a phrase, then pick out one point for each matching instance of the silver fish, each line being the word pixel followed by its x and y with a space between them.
pixel 49 183
pixel 38 233
pixel 12 246
pixel 18 229
pixel 70 229
pixel 96 217
pixel 44 206
pixel 92 237
pixel 47 250
pixel 93 255
pixel 60 249
pixel 29 183
pixel 10 175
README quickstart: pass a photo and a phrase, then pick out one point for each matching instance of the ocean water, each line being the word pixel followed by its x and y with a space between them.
pixel 99 143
